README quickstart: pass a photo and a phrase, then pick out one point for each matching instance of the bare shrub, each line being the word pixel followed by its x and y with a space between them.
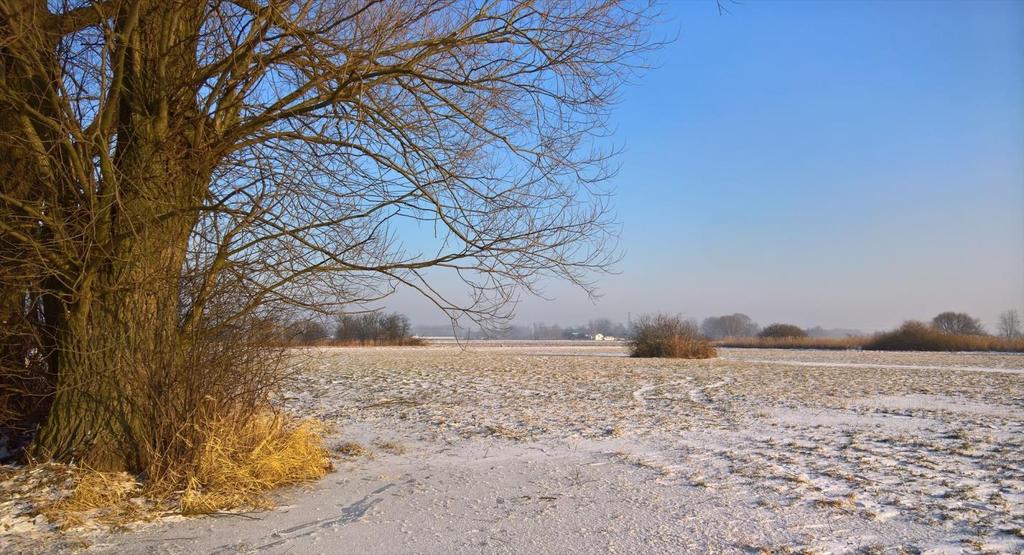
pixel 668 337
pixel 782 330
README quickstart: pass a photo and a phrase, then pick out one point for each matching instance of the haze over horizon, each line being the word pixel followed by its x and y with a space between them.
pixel 849 165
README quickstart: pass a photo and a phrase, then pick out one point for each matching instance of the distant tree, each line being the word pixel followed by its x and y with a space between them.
pixel 1010 325
pixel 606 327
pixel 543 331
pixel 957 323
pixel 733 325
pixel 782 330
pixel 307 331
pixel 373 327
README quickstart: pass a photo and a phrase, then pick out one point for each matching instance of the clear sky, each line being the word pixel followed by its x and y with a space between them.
pixel 844 164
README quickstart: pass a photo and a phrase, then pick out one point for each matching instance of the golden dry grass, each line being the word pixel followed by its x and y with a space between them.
pixel 912 337
pixel 918 336
pixel 351 450
pixel 241 461
pixel 101 497
pixel 830 343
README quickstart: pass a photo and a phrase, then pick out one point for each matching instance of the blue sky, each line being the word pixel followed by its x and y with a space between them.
pixel 848 164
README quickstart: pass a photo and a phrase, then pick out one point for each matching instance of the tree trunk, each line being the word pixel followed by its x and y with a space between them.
pixel 118 342
pixel 116 346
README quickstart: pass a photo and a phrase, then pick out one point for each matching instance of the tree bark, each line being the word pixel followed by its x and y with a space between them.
pixel 117 341
pixel 117 344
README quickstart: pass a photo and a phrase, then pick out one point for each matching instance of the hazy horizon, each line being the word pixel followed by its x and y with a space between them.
pixel 848 165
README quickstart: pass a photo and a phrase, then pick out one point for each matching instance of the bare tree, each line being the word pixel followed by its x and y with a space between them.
pixel 306 331
pixel 1009 325
pixel 170 169
pixel 958 323
pixel 373 328
pixel 734 325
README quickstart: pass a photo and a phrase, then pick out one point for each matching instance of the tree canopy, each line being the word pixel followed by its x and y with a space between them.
pixel 175 172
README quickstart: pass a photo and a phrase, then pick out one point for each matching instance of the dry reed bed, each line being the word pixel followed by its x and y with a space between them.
pixel 912 338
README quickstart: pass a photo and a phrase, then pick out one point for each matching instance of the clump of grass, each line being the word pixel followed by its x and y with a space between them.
pixel 241 460
pixel 352 450
pixel 104 497
pixel 663 336
pixel 842 503
pixel 504 431
pixel 918 336
pixel 392 447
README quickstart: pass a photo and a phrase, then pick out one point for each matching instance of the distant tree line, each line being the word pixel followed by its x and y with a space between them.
pixel 739 326
pixel 541 331
pixel 947 331
pixel 371 328
pixel 378 328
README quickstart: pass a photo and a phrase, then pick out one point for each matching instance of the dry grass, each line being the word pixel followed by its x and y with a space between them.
pixel 912 336
pixel 241 461
pixel 828 343
pixel 107 498
pixel 351 450
pixel 238 463
pixel 402 342
pixel 393 447
pixel 918 336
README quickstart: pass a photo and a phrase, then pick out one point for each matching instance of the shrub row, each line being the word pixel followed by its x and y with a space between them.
pixel 918 336
pixel 911 336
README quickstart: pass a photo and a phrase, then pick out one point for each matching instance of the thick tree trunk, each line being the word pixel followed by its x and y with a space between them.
pixel 117 341
pixel 117 345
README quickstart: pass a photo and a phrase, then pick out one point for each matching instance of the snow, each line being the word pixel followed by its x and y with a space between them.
pixel 541 448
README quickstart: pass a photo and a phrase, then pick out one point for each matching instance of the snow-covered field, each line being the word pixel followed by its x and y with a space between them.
pixel 556 448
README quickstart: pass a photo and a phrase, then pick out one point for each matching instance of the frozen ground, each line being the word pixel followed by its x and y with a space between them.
pixel 557 448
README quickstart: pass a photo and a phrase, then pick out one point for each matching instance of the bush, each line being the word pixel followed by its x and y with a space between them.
pixel 668 337
pixel 782 330
pixel 918 336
